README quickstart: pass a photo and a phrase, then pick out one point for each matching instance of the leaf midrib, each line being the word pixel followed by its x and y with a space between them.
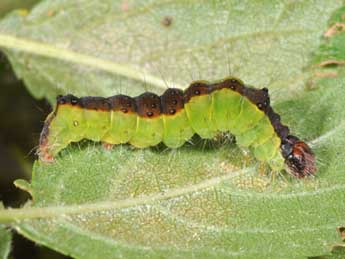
pixel 13 215
pixel 50 51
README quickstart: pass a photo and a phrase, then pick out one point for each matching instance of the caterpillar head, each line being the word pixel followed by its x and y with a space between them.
pixel 299 158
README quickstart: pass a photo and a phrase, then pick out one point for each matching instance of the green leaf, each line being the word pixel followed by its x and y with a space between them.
pixel 201 200
pixel 5 239
pixel 103 48
pixel 332 50
pixel 8 5
pixel 5 242
pixel 192 202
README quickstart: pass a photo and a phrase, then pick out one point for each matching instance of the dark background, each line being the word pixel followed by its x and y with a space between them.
pixel 21 121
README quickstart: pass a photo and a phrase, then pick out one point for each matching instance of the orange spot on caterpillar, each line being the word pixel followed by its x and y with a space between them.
pixel 107 146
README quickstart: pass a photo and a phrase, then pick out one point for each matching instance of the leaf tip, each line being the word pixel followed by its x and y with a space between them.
pixel 23 185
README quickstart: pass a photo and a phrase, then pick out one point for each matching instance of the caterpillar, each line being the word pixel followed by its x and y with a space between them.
pixel 174 117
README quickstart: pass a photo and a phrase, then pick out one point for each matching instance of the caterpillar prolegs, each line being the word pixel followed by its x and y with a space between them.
pixel 174 117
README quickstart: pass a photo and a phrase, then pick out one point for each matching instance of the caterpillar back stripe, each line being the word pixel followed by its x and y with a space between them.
pixel 174 117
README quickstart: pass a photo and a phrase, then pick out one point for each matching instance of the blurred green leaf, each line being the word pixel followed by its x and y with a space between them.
pixel 200 200
pixel 103 48
pixel 9 5
pixel 5 241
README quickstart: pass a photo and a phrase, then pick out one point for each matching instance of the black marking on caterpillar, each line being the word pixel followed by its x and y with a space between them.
pixel 172 118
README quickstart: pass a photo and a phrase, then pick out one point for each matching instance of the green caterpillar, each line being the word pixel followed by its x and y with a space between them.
pixel 174 117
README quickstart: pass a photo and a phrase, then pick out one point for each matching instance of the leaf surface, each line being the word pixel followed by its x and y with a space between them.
pixel 103 48
pixel 5 240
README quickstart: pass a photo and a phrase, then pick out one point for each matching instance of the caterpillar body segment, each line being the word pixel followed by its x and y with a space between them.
pixel 174 117
pixel 177 128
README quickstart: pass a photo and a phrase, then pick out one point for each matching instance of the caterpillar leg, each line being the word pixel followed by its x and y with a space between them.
pixel 263 169
pixel 108 146
pixel 247 157
pixel 275 174
pixel 45 156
